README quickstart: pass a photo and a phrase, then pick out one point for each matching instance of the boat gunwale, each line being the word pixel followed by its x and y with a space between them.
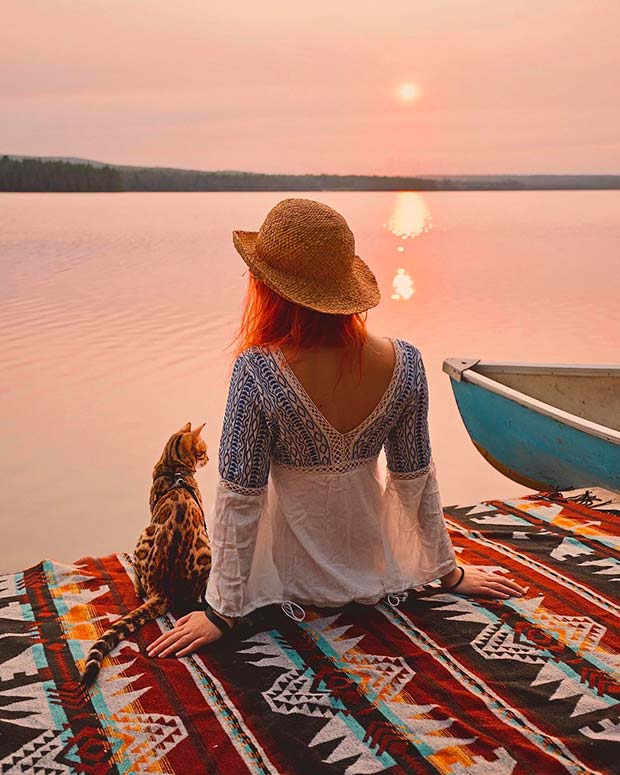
pixel 589 427
pixel 517 367
pixel 551 369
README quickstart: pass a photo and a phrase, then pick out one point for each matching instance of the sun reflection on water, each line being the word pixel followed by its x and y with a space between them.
pixel 410 216
pixel 402 285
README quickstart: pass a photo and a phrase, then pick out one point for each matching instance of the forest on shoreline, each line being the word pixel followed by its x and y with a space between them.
pixel 30 174
pixel 35 175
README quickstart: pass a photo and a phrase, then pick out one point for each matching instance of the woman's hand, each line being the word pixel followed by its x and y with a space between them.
pixel 189 633
pixel 484 583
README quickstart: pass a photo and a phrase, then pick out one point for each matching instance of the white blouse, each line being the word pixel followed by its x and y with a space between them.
pixel 303 513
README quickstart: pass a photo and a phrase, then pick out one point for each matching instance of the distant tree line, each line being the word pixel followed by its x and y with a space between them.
pixel 44 175
pixel 35 175
pixel 160 179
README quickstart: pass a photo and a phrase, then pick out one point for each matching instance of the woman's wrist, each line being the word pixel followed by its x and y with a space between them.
pixel 451 577
pixel 229 619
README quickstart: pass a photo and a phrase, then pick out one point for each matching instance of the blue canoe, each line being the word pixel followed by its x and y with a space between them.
pixel 545 426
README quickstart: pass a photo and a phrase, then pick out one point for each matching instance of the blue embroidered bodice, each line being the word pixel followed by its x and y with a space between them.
pixel 330 530
pixel 269 415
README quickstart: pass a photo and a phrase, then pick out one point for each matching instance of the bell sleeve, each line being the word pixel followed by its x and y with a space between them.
pixel 412 509
pixel 243 465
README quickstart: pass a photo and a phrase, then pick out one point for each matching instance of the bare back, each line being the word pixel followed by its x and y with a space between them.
pixel 340 395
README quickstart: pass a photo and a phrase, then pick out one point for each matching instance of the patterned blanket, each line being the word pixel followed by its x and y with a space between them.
pixel 440 683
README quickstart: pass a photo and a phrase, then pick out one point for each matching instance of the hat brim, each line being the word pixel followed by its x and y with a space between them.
pixel 357 291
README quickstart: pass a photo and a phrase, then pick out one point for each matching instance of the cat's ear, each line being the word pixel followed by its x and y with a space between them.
pixel 196 432
pixel 186 428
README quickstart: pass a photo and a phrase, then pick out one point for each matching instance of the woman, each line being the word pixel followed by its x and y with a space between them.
pixel 302 515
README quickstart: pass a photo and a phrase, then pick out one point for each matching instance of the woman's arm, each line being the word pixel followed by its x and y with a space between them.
pixel 244 460
pixel 409 458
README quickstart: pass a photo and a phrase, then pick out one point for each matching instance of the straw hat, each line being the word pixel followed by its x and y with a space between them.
pixel 305 252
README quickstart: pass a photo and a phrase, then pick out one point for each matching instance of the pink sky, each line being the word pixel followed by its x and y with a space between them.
pixel 507 85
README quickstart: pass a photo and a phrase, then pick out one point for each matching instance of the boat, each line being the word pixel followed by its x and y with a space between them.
pixel 545 426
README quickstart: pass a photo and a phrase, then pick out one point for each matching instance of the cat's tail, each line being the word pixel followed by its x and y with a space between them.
pixel 155 606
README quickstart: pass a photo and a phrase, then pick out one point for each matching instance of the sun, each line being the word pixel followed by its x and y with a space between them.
pixel 408 92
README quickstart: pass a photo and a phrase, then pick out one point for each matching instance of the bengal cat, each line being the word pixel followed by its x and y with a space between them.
pixel 172 558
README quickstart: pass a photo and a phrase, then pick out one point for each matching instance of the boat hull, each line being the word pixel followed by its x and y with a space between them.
pixel 534 449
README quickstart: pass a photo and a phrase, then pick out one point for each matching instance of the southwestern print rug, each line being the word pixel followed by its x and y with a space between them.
pixel 438 684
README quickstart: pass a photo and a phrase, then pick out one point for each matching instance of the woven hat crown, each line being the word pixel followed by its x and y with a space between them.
pixel 305 252
pixel 307 238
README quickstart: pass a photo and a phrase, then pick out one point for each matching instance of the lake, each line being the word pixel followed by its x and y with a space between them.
pixel 117 310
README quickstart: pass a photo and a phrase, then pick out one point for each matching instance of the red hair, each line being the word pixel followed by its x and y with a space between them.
pixel 270 320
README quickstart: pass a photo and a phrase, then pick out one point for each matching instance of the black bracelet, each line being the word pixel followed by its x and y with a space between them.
pixel 218 621
pixel 456 583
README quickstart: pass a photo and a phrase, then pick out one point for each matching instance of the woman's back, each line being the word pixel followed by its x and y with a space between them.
pixel 271 415
pixel 343 396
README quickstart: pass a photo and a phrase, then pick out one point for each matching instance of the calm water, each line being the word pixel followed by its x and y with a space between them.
pixel 117 310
